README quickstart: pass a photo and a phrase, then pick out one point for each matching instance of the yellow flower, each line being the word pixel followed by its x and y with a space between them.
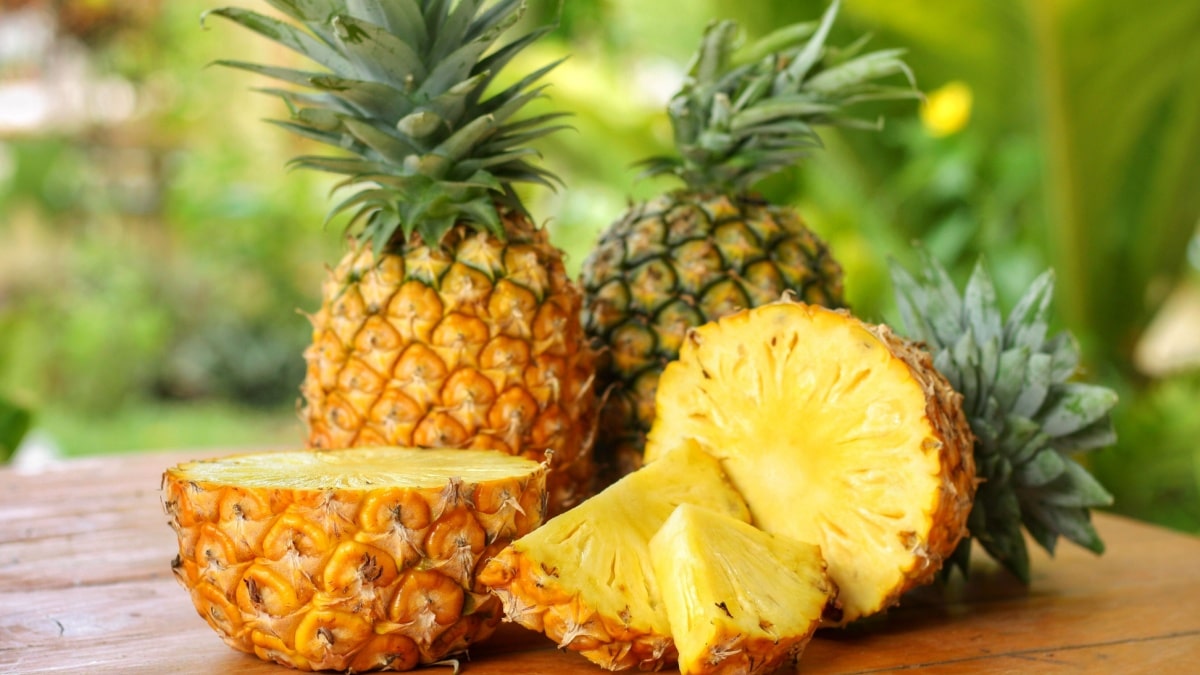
pixel 947 110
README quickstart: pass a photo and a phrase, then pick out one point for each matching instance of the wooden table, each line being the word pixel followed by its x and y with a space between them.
pixel 86 587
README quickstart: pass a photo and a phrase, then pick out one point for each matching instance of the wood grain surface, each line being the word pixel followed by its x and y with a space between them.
pixel 86 587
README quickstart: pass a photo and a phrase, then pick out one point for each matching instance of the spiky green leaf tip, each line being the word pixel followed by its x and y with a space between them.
pixel 401 91
pixel 745 112
pixel 1030 415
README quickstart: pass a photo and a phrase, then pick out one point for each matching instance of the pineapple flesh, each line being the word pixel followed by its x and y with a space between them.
pixel 451 321
pixel 740 601
pixel 358 560
pixel 836 432
pixel 585 578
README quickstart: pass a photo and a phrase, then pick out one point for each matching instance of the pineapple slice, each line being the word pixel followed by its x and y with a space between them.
pixel 739 600
pixel 351 560
pixel 836 432
pixel 585 578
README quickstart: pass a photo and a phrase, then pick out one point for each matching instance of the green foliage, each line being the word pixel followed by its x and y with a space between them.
pixel 1154 468
pixel 14 424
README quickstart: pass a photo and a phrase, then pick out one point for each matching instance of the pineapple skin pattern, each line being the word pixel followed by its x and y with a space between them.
pixel 675 263
pixel 347 579
pixel 475 343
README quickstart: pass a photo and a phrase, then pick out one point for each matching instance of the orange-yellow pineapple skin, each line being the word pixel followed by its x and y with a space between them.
pixel 357 560
pixel 836 432
pixel 740 601
pixel 475 343
pixel 585 578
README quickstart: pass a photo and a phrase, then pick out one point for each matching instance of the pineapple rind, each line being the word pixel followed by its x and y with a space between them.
pixel 811 409
pixel 474 344
pixel 355 570
pixel 585 578
pixel 739 600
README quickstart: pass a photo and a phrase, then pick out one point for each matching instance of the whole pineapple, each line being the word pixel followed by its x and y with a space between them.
pixel 451 321
pixel 702 252
pixel 1028 413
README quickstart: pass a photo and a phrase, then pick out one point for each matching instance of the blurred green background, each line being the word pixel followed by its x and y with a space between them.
pixel 156 257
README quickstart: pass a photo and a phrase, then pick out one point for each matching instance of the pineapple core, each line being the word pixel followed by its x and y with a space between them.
pixel 836 433
pixel 585 578
pixel 739 600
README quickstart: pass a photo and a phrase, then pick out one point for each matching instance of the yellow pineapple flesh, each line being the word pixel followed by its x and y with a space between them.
pixel 740 601
pixel 836 432
pixel 585 578
pixel 360 559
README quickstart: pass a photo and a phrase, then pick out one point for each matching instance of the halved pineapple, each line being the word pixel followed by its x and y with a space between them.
pixel 358 559
pixel 836 432
pixel 585 578
pixel 739 600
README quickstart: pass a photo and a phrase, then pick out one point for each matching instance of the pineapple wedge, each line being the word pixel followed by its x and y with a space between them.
pixel 356 560
pixel 585 578
pixel 836 432
pixel 739 600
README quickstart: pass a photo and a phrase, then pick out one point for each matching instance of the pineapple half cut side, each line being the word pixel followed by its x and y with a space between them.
pixel 740 601
pixel 585 578
pixel 836 432
pixel 359 559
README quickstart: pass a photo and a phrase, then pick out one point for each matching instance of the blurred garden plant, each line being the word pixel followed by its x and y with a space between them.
pixel 14 424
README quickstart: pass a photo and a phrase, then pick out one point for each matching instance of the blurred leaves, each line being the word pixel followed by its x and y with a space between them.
pixel 14 424
pixel 1108 91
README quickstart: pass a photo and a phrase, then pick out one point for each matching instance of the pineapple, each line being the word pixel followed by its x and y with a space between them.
pixel 451 321
pixel 1029 417
pixel 356 560
pixel 740 601
pixel 713 247
pixel 836 432
pixel 585 578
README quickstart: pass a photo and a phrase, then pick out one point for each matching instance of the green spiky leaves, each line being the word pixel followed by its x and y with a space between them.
pixel 400 92
pixel 1028 416
pixel 742 116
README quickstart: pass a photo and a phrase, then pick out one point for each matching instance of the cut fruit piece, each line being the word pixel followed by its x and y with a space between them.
pixel 836 432
pixel 585 578
pixel 739 600
pixel 358 559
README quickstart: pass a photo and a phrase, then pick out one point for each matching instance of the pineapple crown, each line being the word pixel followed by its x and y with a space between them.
pixel 1028 415
pixel 404 92
pixel 741 116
